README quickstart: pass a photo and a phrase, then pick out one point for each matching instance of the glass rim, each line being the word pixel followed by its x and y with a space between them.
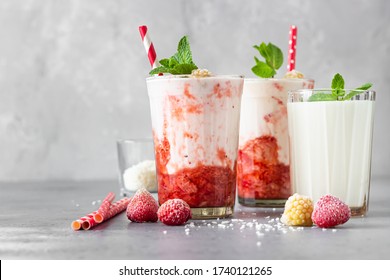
pixel 189 77
pixel 256 79
pixel 303 95
pixel 328 90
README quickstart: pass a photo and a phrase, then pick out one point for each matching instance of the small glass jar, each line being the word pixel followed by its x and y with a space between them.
pixel 137 167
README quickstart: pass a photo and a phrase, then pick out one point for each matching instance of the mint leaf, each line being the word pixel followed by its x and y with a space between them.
pixel 273 60
pixel 184 68
pixel 263 70
pixel 366 86
pixel 180 63
pixel 262 48
pixel 357 91
pixel 158 70
pixel 173 62
pixel 338 82
pixel 183 55
pixel 322 97
pixel 338 91
pixel 338 85
pixel 165 62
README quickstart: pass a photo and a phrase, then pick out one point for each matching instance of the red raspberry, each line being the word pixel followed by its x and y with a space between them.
pixel 174 212
pixel 142 207
pixel 329 211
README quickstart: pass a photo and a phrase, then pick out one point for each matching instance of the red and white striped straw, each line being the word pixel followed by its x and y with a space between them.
pixel 77 224
pixel 149 48
pixel 89 222
pixel 292 48
pixel 104 208
pixel 116 208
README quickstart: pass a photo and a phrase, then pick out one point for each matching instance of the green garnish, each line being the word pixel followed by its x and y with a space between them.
pixel 273 60
pixel 180 63
pixel 338 92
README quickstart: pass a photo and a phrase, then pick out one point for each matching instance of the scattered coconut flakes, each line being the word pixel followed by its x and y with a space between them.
pixel 258 233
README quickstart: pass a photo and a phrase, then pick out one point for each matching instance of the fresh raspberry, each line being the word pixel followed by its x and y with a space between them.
pixel 297 211
pixel 174 212
pixel 142 207
pixel 330 211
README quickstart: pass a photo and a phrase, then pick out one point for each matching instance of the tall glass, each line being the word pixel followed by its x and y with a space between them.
pixel 263 178
pixel 330 144
pixel 195 128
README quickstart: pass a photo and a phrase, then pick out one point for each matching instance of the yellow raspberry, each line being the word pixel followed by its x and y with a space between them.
pixel 297 211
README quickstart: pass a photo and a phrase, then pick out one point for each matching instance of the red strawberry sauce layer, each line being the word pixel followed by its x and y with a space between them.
pixel 260 175
pixel 199 186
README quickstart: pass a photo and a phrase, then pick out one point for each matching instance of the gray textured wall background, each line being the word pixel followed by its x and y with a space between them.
pixel 72 72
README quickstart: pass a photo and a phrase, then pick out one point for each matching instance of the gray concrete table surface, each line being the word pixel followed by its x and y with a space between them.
pixel 35 223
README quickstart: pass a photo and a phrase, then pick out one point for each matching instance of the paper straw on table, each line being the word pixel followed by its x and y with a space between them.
pixel 77 224
pixel 116 208
pixel 149 48
pixel 102 212
pixel 292 48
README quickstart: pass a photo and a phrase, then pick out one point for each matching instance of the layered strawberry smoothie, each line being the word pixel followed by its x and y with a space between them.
pixel 195 126
pixel 263 177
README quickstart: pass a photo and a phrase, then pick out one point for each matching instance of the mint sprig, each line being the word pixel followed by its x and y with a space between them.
pixel 357 91
pixel 338 92
pixel 273 60
pixel 180 63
